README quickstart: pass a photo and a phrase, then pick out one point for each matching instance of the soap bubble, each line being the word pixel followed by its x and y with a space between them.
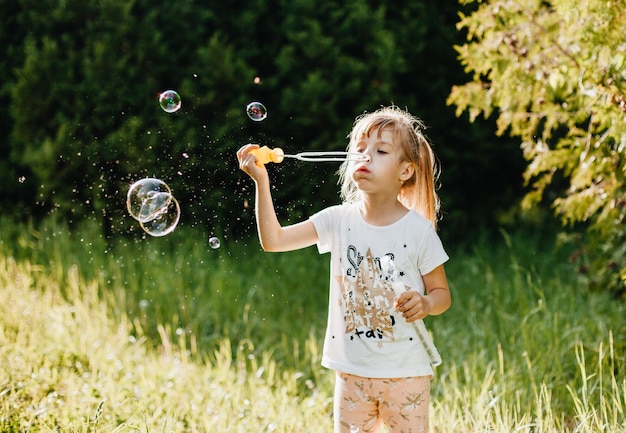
pixel 165 222
pixel 256 111
pixel 150 201
pixel 156 204
pixel 214 242
pixel 146 198
pixel 170 101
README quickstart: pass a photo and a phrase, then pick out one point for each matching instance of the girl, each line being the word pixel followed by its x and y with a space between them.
pixel 389 213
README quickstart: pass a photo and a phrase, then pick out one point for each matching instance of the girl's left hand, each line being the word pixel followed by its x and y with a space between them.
pixel 412 305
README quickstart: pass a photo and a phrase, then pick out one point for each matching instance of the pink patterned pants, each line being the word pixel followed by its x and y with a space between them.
pixel 364 405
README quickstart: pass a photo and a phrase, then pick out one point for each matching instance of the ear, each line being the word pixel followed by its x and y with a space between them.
pixel 407 171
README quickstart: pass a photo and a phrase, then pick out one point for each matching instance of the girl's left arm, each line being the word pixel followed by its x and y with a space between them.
pixel 414 306
pixel 437 297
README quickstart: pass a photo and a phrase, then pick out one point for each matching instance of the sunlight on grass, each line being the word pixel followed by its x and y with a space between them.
pixel 170 337
pixel 68 366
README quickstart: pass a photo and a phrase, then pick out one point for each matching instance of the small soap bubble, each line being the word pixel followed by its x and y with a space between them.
pixel 170 101
pixel 256 111
pixel 214 242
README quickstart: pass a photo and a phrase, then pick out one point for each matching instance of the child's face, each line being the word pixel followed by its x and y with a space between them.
pixel 385 170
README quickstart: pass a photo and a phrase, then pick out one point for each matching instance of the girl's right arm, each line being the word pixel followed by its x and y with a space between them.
pixel 272 235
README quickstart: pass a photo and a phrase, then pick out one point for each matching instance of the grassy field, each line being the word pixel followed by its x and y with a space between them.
pixel 169 335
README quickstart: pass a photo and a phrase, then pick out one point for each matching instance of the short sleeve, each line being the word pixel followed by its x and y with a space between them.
pixel 432 253
pixel 323 222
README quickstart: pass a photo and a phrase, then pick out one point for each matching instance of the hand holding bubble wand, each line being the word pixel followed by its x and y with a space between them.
pixel 264 155
pixel 390 271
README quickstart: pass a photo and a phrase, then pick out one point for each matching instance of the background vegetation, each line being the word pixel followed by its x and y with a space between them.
pixel 552 76
pixel 104 328
pixel 81 81
pixel 168 336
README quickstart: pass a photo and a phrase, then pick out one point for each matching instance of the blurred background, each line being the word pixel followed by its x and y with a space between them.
pixel 80 85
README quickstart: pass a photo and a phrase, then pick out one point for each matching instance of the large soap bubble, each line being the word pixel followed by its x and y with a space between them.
pixel 146 198
pixel 165 222
pixel 150 201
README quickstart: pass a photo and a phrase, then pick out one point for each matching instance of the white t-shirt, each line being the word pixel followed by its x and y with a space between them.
pixel 365 336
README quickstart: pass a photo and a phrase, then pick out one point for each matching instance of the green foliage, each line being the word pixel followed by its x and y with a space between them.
pixel 553 74
pixel 152 334
pixel 81 79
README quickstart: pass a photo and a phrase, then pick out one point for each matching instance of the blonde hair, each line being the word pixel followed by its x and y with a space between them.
pixel 418 192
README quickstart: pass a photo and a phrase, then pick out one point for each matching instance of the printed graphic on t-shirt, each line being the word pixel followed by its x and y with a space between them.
pixel 368 299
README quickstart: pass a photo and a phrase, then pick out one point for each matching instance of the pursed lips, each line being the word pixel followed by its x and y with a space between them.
pixel 361 173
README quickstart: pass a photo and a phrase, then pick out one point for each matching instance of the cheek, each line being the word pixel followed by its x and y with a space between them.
pixel 351 168
pixel 351 173
pixel 354 175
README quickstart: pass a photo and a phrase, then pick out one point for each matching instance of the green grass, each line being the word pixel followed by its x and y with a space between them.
pixel 169 335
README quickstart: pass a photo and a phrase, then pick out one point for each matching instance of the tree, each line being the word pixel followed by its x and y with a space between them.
pixel 553 74
pixel 85 117
pixel 81 81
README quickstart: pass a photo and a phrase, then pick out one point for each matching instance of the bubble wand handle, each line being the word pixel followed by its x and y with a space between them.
pixel 422 333
pixel 424 336
pixel 420 329
pixel 264 155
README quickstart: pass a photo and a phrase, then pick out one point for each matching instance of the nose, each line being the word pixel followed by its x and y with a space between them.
pixel 366 155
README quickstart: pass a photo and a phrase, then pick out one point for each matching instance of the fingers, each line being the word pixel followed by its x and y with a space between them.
pixel 243 154
pixel 247 161
pixel 412 305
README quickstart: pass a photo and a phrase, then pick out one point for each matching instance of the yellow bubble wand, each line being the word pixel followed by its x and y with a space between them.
pixel 264 155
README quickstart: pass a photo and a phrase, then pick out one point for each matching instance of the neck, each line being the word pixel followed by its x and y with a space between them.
pixel 381 212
